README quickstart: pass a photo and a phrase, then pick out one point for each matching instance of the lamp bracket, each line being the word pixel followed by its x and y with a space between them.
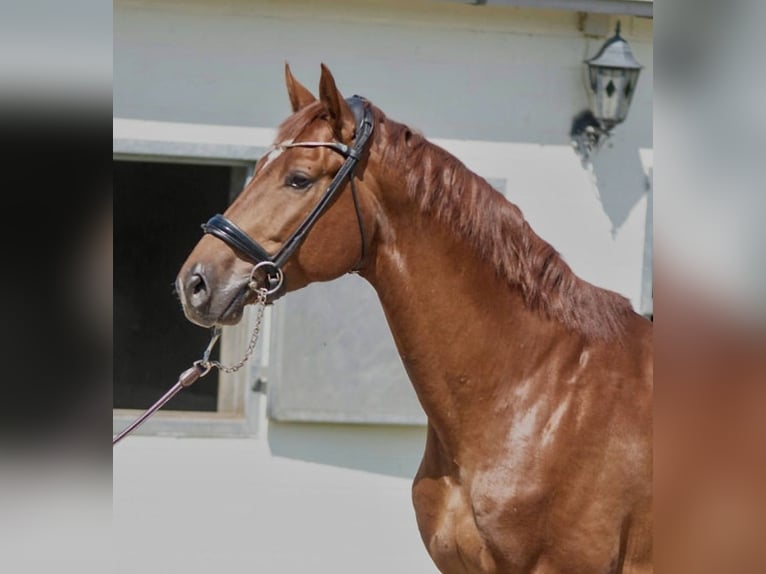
pixel 588 135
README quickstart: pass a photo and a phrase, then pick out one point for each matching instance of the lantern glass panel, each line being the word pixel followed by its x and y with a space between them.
pixel 612 93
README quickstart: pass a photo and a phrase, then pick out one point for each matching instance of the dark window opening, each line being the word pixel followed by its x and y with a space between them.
pixel 158 210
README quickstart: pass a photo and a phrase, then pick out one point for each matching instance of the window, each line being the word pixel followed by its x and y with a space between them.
pixel 169 178
pixel 156 206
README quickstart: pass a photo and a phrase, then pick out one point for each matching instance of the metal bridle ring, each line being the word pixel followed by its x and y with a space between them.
pixel 278 276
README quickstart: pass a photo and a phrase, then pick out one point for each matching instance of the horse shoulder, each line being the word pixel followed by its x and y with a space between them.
pixel 572 465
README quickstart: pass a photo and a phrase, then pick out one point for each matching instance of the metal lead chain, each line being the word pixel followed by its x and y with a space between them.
pixel 201 368
pixel 261 296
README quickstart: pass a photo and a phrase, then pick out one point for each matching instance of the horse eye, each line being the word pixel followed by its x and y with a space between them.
pixel 298 180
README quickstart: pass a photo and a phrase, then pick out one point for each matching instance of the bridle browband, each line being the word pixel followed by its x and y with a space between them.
pixel 227 231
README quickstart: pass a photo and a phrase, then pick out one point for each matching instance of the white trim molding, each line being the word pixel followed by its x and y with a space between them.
pixel 200 143
pixel 641 8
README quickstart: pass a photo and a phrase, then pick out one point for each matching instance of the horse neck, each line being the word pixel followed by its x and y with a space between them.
pixel 461 329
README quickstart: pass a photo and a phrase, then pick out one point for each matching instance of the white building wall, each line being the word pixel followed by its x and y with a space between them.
pixel 306 498
pixel 496 86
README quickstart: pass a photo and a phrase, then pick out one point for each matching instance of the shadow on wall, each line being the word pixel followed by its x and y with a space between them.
pixel 616 167
pixel 381 449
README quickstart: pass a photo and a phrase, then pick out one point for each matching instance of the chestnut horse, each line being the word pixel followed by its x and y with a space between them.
pixel 537 385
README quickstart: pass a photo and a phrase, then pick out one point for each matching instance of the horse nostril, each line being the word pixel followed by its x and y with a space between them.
pixel 197 284
pixel 196 289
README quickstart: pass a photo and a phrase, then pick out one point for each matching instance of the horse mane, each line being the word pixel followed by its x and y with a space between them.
pixel 444 188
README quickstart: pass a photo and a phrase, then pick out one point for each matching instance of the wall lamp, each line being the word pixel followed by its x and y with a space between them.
pixel 612 78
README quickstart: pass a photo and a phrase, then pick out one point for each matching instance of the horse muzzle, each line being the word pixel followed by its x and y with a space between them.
pixel 208 301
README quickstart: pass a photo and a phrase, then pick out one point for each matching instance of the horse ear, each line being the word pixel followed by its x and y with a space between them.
pixel 341 115
pixel 299 95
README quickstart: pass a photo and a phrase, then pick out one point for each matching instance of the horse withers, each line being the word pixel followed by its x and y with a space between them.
pixel 537 385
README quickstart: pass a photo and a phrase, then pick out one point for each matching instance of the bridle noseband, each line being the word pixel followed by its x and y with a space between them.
pixel 227 231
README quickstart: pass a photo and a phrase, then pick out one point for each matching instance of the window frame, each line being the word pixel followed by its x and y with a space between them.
pixel 241 402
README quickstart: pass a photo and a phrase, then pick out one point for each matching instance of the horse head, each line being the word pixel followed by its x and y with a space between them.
pixel 306 215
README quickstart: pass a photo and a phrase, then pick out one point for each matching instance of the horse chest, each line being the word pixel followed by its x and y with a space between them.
pixel 448 529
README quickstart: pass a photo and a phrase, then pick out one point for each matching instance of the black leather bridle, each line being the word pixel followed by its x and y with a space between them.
pixel 227 231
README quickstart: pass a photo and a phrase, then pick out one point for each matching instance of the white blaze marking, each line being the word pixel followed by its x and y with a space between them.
pixel 276 152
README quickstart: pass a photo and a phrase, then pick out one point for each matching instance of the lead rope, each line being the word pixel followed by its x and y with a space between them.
pixel 202 367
